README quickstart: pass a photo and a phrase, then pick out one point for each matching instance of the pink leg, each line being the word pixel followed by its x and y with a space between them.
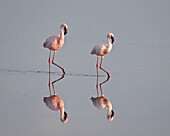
pixel 49 61
pixel 49 86
pixel 97 66
pixel 103 69
pixel 102 84
pixel 57 65
pixel 49 73
pixel 57 81
pixel 97 76
pixel 97 86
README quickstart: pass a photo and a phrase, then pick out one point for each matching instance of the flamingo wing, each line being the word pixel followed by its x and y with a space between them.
pixel 100 49
pixel 52 42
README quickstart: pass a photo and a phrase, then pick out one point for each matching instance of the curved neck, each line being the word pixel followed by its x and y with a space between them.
pixel 109 110
pixel 109 42
pixel 62 114
pixel 61 33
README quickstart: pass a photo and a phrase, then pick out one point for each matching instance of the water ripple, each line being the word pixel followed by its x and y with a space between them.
pixel 4 70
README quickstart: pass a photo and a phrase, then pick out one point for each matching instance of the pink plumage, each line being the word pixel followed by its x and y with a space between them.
pixel 55 43
pixel 102 50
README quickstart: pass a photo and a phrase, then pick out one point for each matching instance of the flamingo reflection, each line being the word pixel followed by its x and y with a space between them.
pixel 54 102
pixel 101 102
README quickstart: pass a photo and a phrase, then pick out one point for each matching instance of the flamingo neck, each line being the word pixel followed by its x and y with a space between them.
pixel 61 33
pixel 62 115
pixel 109 110
pixel 109 43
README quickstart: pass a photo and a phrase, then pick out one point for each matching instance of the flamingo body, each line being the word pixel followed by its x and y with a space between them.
pixel 55 42
pixel 54 102
pixel 102 103
pixel 103 49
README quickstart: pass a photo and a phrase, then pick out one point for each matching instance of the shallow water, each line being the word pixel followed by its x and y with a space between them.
pixel 139 66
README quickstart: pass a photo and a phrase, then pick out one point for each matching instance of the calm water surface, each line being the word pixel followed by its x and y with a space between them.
pixel 139 66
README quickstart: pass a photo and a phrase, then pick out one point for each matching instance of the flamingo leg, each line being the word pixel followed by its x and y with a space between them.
pixel 97 75
pixel 57 81
pixel 49 85
pixel 104 69
pixel 97 66
pixel 49 61
pixel 102 84
pixel 97 86
pixel 49 73
pixel 56 64
pixel 53 88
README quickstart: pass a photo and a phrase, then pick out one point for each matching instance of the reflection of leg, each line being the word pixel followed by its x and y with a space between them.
pixel 97 86
pixel 97 76
pixel 53 88
pixel 49 73
pixel 49 87
pixel 57 65
pixel 102 84
pixel 103 69
pixel 57 81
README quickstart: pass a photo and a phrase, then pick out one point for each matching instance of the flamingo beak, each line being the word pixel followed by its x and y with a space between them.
pixel 112 115
pixel 112 39
pixel 65 30
pixel 44 44
pixel 65 115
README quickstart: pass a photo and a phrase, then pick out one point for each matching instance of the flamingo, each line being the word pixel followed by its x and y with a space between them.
pixel 102 50
pixel 101 102
pixel 54 102
pixel 55 43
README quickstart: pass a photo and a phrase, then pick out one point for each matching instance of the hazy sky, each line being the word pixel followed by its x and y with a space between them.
pixel 144 22
pixel 147 19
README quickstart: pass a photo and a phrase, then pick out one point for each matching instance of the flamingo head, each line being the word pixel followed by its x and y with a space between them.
pixel 65 119
pixel 111 36
pixel 65 30
pixel 110 117
pixel 65 27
